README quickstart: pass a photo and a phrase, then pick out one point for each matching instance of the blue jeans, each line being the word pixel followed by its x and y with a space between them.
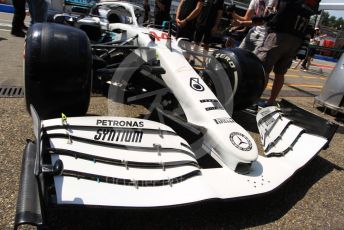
pixel 38 10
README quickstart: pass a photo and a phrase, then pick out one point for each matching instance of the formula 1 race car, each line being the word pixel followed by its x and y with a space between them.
pixel 110 161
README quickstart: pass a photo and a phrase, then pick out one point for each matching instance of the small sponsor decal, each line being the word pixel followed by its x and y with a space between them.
pixel 134 136
pixel 216 104
pixel 219 107
pixel 208 100
pixel 267 111
pixel 269 121
pixel 116 123
pixel 194 84
pixel 240 141
pixel 226 58
pixel 223 120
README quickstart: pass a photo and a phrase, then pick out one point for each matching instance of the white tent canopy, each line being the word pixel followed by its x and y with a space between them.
pixel 331 5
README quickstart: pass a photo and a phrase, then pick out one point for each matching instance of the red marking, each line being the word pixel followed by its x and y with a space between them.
pixel 155 35
pixel 164 36
pixel 323 66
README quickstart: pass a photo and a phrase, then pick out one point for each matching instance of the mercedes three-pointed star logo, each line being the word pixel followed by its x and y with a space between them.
pixel 240 141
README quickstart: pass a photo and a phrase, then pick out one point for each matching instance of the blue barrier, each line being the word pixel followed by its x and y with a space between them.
pixel 325 58
pixel 6 8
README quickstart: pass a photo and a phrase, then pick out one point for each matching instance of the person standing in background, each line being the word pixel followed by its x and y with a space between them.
pixel 286 32
pixel 256 35
pixel 208 22
pixel 187 12
pixel 311 50
pixel 186 15
pixel 18 18
pixel 38 10
pixel 146 7
pixel 162 11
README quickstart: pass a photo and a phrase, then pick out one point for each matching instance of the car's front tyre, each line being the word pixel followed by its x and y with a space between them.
pixel 245 73
pixel 57 72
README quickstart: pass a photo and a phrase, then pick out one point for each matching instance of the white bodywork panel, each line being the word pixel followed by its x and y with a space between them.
pixel 82 135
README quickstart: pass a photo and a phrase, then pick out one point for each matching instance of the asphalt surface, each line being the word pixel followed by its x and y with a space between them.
pixel 312 199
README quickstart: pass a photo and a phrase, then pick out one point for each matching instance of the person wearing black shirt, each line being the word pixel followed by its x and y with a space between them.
pixel 286 32
pixel 208 21
pixel 162 11
pixel 187 12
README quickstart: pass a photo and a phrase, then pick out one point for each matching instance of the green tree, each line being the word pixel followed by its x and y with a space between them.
pixel 340 23
pixel 332 21
pixel 325 18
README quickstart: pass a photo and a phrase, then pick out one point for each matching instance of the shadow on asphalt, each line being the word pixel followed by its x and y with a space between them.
pixel 340 129
pixel 338 117
pixel 214 214
pixel 3 39
pixel 317 72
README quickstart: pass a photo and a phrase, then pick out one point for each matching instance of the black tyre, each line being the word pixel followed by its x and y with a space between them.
pixel 58 64
pixel 245 73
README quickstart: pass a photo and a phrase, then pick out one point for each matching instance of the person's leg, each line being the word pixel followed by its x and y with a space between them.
pixel 298 63
pixel 276 88
pixel 206 41
pixel 288 49
pixel 41 10
pixel 247 42
pixel 309 60
pixel 268 54
pixel 159 18
pixel 157 21
pixel 187 33
pixel 305 62
pixel 258 42
pixel 147 13
pixel 31 4
pixel 18 18
pixel 308 63
pixel 166 16
pixel 199 34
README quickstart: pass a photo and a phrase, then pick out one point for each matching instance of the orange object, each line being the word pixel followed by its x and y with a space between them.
pixel 328 44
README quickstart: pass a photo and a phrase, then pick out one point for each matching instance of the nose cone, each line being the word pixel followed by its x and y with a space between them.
pixel 233 145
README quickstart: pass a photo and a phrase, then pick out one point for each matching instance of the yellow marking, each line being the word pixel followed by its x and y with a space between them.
pixel 269 86
pixel 305 85
pixel 303 76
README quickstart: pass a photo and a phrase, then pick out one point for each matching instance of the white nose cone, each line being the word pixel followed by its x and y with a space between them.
pixel 233 144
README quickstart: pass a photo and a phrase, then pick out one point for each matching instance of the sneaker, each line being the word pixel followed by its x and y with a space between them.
pixel 18 33
pixel 304 68
pixel 262 104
